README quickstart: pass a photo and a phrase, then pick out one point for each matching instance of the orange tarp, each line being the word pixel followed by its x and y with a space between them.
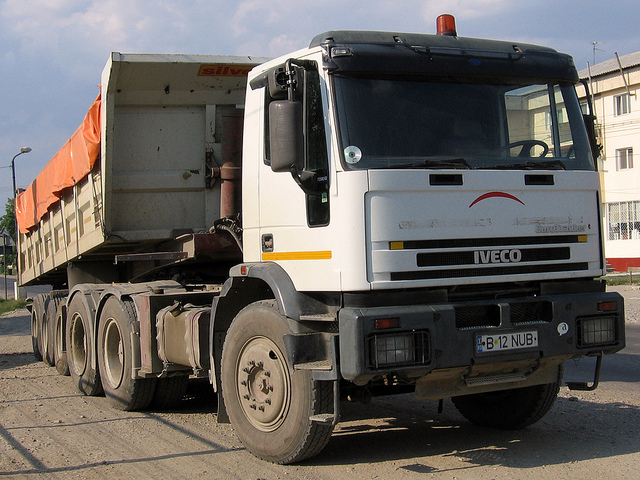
pixel 72 163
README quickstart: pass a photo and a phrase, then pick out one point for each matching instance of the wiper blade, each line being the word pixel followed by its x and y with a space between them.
pixel 547 165
pixel 457 163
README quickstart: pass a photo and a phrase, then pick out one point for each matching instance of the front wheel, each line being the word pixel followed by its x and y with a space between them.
pixel 269 404
pixel 509 409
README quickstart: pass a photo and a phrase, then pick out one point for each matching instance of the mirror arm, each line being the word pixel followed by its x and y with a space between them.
pixel 311 183
pixel 305 180
pixel 291 74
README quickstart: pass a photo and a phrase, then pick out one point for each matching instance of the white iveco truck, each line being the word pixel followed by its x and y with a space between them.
pixel 375 214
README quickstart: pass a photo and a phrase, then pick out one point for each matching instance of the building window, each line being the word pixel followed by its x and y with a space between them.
pixel 623 219
pixel 621 104
pixel 624 158
pixel 584 108
pixel 561 115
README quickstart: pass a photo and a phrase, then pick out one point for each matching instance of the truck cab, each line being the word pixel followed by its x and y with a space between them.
pixel 430 208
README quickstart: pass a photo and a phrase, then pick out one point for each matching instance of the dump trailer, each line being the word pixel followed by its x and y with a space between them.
pixel 378 213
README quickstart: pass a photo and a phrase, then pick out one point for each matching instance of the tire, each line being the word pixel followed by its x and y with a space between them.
pixel 115 358
pixel 60 344
pixel 81 352
pixel 509 409
pixel 169 392
pixel 268 403
pixel 54 299
pixel 45 331
pixel 37 313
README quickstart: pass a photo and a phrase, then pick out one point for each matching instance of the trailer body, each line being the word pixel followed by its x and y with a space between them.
pixel 154 175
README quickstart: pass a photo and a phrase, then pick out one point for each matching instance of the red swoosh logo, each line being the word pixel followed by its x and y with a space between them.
pixel 495 194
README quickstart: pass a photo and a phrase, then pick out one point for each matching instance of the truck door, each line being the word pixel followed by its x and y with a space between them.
pixel 295 212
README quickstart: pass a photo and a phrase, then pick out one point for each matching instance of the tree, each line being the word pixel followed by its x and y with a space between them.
pixel 7 223
pixel 8 220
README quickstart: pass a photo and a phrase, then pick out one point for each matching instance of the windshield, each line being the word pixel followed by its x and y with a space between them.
pixel 392 123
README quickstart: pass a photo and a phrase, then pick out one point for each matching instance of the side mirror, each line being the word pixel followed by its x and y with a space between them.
pixel 286 136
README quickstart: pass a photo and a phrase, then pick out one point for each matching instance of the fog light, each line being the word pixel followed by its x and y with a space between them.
pixel 597 331
pixel 393 349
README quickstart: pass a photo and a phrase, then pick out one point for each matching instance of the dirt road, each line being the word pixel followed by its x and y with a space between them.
pixel 49 430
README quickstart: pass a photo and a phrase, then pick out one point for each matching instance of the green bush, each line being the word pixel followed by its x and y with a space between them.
pixel 622 280
pixel 11 305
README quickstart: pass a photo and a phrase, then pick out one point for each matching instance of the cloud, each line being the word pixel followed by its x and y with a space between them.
pixel 57 27
pixel 252 13
pixel 464 9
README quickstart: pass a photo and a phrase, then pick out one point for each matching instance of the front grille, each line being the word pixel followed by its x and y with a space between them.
pixel 510 269
pixel 474 316
pixel 437 259
pixel 490 242
pixel 531 312
pixel 453 258
pixel 480 316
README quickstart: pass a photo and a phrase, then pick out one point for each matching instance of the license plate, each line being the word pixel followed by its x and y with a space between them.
pixel 500 342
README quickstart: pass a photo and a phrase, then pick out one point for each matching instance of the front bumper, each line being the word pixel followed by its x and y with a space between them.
pixel 440 341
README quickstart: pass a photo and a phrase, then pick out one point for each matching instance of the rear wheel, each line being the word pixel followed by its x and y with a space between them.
pixel 115 358
pixel 60 344
pixel 37 314
pixel 509 409
pixel 269 404
pixel 81 353
pixel 54 299
pixel 45 333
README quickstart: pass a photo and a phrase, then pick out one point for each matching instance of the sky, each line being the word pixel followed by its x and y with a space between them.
pixel 53 51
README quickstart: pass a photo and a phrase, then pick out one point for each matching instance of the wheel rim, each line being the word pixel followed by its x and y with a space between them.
pixel 78 345
pixel 263 384
pixel 113 355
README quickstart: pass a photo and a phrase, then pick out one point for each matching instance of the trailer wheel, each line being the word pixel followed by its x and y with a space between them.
pixel 60 344
pixel 45 331
pixel 37 312
pixel 81 354
pixel 509 409
pixel 54 299
pixel 115 358
pixel 269 404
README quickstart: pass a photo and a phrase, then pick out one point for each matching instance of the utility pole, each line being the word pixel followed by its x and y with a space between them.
pixel 4 259
pixel 595 48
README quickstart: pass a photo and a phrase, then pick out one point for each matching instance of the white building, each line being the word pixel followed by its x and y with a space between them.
pixel 615 87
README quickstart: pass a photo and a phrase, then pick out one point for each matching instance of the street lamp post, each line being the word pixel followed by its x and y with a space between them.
pixel 15 225
pixel 13 168
pixel 4 262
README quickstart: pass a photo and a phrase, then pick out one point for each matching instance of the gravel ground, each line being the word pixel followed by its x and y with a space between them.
pixel 631 294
